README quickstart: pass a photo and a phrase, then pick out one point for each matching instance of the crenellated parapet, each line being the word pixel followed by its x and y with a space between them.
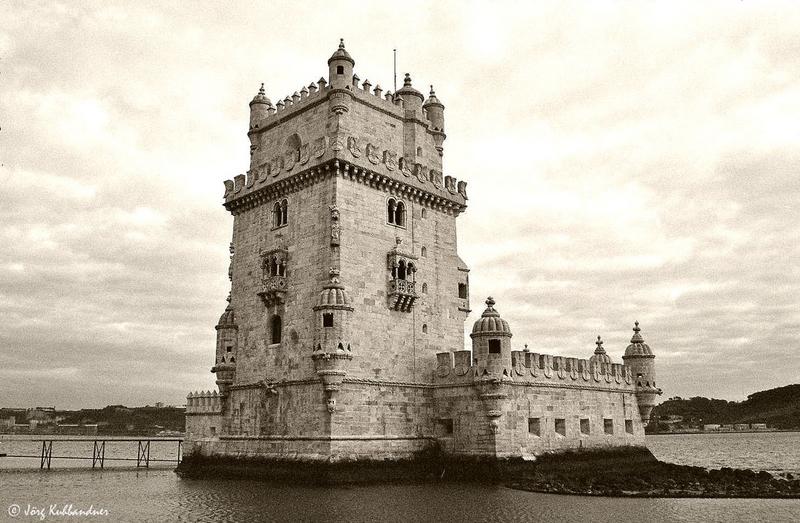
pixel 535 368
pixel 204 402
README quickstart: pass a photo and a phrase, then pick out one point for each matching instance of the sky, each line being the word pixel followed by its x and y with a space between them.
pixel 626 161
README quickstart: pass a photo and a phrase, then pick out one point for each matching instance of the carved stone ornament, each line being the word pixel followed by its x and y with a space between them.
pixel 304 154
pixel 320 145
pixel 352 146
pixel 336 229
pixel 289 159
pixel 390 160
pixel 372 154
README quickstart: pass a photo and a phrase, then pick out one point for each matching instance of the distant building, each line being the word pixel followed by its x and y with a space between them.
pixel 758 426
pixel 741 426
pixel 711 427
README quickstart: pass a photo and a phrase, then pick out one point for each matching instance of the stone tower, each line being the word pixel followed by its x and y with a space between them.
pixel 344 265
pixel 641 360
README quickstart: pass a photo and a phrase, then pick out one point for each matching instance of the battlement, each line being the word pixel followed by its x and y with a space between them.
pixel 525 366
pixel 207 402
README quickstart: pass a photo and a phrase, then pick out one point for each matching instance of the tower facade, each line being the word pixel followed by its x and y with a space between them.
pixel 343 335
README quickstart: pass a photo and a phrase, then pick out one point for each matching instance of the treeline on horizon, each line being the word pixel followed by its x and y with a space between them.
pixel 117 419
pixel 779 408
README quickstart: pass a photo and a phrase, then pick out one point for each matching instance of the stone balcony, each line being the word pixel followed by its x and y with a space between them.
pixel 402 294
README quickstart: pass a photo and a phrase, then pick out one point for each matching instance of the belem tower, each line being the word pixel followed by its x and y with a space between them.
pixel 343 338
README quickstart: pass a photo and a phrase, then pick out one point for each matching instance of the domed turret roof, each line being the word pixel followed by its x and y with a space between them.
pixel 341 54
pixel 261 97
pixel 432 99
pixel 408 89
pixel 638 347
pixel 227 319
pixel 333 293
pixel 490 322
pixel 600 355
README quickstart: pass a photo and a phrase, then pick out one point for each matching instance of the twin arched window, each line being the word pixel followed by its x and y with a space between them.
pixel 396 212
pixel 280 213
pixel 404 271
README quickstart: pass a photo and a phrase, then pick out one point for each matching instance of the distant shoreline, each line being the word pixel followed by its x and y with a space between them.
pixel 684 432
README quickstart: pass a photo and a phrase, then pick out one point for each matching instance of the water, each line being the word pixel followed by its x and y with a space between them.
pixel 158 495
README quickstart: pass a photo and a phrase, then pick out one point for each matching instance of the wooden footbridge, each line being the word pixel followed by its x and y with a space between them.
pixel 98 457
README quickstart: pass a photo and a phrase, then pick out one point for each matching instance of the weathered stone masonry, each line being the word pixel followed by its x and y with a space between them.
pixel 343 334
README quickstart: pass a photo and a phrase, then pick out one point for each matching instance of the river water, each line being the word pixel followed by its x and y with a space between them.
pixel 125 494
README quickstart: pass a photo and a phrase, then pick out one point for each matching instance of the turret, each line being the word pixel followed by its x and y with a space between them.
pixel 260 107
pixel 435 111
pixel 332 337
pixel 340 68
pixel 641 361
pixel 227 340
pixel 412 99
pixel 491 343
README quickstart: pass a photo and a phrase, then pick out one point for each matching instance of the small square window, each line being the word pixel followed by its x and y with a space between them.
pixel 561 426
pixel 494 346
pixel 339 69
pixel 585 427
pixel 327 319
pixel 228 348
pixel 629 426
pixel 608 426
pixel 462 291
pixel 534 427
pixel 445 426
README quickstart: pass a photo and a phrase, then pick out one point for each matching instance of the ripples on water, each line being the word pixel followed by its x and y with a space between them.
pixel 158 495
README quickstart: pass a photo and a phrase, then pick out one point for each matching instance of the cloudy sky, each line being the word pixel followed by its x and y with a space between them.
pixel 625 161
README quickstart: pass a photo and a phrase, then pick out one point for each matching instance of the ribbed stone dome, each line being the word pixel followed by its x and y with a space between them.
pixel 600 355
pixel 432 100
pixel 227 319
pixel 333 294
pixel 490 321
pixel 261 97
pixel 341 54
pixel 408 89
pixel 638 347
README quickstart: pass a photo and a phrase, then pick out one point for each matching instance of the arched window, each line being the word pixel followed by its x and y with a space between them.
pixel 391 204
pixel 284 212
pixel 400 214
pixel 424 328
pixel 423 213
pixel 275 328
pixel 419 151
pixel 276 215
pixel 410 270
pixel 424 288
pixel 273 267
pixel 424 252
pixel 401 270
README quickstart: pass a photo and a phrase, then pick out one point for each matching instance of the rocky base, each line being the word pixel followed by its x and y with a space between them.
pixel 628 472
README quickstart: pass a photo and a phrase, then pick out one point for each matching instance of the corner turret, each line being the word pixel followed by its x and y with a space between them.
pixel 340 68
pixel 600 359
pixel 260 107
pixel 435 111
pixel 640 359
pixel 491 343
pixel 227 341
pixel 332 352
pixel 412 99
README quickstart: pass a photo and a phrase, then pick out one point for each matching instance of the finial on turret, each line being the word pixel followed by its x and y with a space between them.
pixel 599 349
pixel 341 43
pixel 261 89
pixel 407 80
pixel 637 337
pixel 490 302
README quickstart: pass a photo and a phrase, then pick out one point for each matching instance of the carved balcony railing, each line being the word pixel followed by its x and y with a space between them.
pixel 273 289
pixel 402 294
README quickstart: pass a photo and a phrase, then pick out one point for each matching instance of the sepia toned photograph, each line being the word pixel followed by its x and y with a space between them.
pixel 400 262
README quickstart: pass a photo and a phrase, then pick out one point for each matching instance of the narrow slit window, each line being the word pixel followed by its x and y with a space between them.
pixel 629 426
pixel 585 427
pixel 608 426
pixel 560 426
